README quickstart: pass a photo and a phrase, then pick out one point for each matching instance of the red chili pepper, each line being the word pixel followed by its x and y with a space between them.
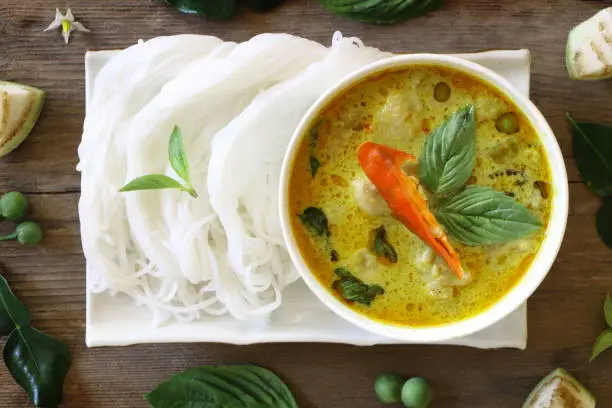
pixel 383 166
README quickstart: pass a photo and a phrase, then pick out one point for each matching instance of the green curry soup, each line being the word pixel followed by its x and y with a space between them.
pixel 400 109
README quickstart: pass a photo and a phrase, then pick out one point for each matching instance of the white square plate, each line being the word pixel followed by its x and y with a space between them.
pixel 117 321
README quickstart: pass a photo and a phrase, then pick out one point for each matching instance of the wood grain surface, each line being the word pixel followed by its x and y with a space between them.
pixel 564 315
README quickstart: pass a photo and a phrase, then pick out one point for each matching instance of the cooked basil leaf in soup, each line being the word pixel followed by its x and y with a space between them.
pixel 355 290
pixel 315 220
pixel 381 246
pixel 315 164
pixel 402 110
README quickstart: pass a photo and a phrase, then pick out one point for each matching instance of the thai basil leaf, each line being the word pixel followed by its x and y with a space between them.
pixel 177 155
pixel 315 220
pixel 39 364
pixel 151 182
pixel 12 312
pixel 608 310
pixel 215 9
pixel 380 11
pixel 382 247
pixel 223 387
pixel 603 222
pixel 449 153
pixel 482 216
pixel 315 164
pixel 593 153
pixel 353 289
pixel 602 343
pixel 180 164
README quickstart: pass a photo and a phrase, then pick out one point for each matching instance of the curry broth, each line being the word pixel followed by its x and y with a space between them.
pixel 398 109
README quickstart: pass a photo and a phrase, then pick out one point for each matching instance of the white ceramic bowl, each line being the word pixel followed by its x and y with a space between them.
pixel 541 264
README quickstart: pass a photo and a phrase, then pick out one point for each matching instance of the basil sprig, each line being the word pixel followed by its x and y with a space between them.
pixel 449 153
pixel 38 362
pixel 223 387
pixel 178 162
pixel 482 216
pixel 474 215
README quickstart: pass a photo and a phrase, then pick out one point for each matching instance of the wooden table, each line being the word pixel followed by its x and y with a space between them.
pixel 565 315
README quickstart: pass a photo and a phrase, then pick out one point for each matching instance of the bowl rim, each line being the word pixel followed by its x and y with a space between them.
pixel 545 256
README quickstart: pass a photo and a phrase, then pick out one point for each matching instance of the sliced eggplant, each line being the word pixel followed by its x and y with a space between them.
pixel 20 107
pixel 589 48
pixel 560 390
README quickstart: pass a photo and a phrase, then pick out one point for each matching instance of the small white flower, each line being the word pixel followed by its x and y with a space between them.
pixel 67 24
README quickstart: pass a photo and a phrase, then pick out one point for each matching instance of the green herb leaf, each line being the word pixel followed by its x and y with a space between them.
pixel 382 247
pixel 39 364
pixel 380 11
pixel 315 220
pixel 12 312
pixel 608 310
pixel 353 289
pixel 223 387
pixel 315 164
pixel 152 182
pixel 482 216
pixel 177 155
pixel 603 222
pixel 178 161
pixel 602 343
pixel 593 153
pixel 449 153
pixel 218 9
